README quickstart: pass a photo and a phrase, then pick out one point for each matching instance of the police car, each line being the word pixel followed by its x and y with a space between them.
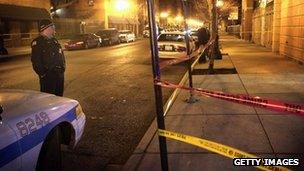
pixel 173 45
pixel 33 125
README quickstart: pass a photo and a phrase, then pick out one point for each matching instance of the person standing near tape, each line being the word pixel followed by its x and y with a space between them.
pixel 203 38
pixel 48 59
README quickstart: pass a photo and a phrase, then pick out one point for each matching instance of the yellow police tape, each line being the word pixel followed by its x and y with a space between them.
pixel 216 148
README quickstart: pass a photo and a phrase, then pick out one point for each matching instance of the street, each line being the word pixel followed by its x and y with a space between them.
pixel 114 85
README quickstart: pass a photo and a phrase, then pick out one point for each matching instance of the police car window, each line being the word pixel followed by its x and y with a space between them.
pixel 171 37
pixel 194 33
pixel 78 36
pixel 125 32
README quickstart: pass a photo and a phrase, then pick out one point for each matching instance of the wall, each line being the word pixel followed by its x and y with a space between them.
pixel 292 29
pixel 279 26
pixel 262 26
pixel 65 27
pixel 29 3
pixel 247 12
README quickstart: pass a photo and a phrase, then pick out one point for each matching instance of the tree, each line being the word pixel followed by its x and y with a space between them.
pixel 202 8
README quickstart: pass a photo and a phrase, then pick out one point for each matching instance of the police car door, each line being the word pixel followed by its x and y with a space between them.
pixel 9 148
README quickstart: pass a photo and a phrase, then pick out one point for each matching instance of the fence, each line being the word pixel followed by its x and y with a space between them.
pixel 19 39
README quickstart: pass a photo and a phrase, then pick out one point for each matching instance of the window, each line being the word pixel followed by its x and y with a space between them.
pixel 171 37
pixel 5 29
pixel 25 29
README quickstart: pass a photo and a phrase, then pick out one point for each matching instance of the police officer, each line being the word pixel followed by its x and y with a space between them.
pixel 203 38
pixel 48 59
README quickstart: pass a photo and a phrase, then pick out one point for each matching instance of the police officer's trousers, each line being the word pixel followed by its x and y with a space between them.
pixel 53 83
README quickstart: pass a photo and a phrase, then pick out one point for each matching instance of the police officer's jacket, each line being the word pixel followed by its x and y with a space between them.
pixel 47 55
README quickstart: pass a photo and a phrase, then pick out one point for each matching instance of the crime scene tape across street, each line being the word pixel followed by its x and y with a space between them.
pixel 185 58
pixel 216 148
pixel 242 99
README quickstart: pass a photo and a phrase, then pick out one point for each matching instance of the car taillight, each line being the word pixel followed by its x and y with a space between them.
pixel 160 47
pixel 181 48
pixel 79 43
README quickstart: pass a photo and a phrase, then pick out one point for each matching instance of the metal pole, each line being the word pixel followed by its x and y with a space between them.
pixel 157 88
pixel 187 38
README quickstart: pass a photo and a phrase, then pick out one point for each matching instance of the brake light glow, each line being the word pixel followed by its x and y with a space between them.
pixel 181 48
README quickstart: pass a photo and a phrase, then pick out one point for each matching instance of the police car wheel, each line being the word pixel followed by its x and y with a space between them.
pixel 50 154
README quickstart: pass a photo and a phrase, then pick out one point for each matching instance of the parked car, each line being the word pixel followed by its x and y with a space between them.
pixel 126 36
pixel 33 126
pixel 83 41
pixel 146 32
pixel 173 45
pixel 109 36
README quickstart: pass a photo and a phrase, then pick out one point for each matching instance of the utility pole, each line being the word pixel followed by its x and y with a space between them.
pixel 157 88
pixel 185 5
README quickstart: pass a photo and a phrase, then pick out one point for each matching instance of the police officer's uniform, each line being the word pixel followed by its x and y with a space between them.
pixel 203 38
pixel 48 62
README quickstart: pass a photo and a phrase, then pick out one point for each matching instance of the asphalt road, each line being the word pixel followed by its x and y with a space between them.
pixel 114 85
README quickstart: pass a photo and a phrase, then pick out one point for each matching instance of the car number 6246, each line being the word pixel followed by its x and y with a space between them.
pixel 31 124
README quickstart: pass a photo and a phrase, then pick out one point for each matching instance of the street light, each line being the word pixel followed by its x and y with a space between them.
pixel 219 3
pixel 122 5
pixel 179 18
pixel 164 14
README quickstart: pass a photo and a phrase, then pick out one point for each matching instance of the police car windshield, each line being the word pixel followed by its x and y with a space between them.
pixel 125 32
pixel 171 37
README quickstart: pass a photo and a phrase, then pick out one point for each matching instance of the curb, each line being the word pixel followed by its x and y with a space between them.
pixel 13 56
pixel 139 152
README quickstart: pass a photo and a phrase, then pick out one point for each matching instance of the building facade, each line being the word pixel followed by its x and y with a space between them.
pixel 275 24
pixel 95 15
pixel 19 20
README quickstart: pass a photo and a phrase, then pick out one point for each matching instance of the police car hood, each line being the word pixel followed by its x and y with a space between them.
pixel 23 102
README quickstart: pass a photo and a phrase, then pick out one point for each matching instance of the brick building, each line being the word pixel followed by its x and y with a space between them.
pixel 98 14
pixel 19 20
pixel 276 24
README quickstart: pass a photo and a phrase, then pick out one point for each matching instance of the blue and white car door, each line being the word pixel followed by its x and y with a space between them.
pixel 9 149
pixel 31 131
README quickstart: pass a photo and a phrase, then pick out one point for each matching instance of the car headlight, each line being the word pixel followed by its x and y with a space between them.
pixel 79 111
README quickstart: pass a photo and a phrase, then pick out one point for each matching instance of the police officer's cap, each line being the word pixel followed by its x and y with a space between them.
pixel 44 24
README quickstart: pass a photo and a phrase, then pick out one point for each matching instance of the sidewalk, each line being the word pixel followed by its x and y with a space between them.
pixel 257 131
pixel 23 50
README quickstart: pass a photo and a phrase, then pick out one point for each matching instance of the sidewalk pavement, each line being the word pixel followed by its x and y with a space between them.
pixel 24 50
pixel 257 131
